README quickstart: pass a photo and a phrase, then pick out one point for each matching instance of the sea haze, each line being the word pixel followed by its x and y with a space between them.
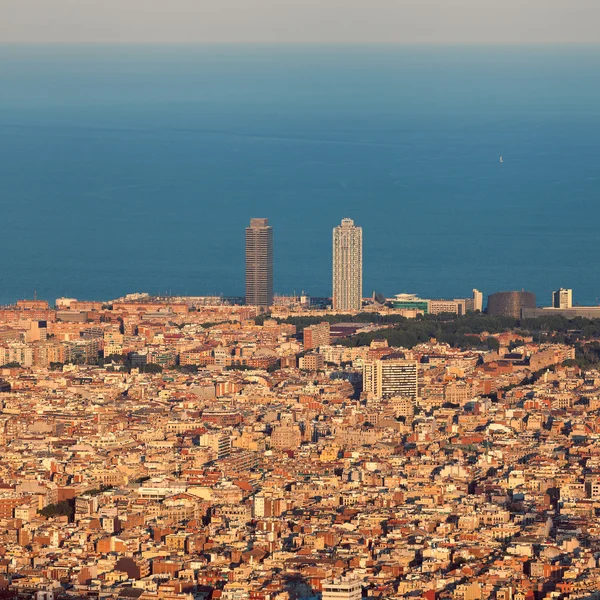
pixel 136 169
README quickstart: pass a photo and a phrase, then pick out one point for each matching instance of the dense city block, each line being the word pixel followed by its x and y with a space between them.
pixel 195 448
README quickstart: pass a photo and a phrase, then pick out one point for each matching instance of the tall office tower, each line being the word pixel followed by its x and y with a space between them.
pixel 390 376
pixel 477 301
pixel 562 298
pixel 347 266
pixel 259 263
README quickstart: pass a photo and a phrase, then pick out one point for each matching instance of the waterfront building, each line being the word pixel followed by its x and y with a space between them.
pixel 456 307
pixel 477 300
pixel 411 302
pixel 429 307
pixel 562 298
pixel 510 304
pixel 259 263
pixel 584 312
pixel 347 266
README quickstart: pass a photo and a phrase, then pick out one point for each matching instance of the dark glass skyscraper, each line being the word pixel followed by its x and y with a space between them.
pixel 259 263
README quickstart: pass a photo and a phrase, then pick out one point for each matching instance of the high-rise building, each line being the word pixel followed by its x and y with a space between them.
pixel 477 301
pixel 347 266
pixel 259 263
pixel 390 376
pixel 562 298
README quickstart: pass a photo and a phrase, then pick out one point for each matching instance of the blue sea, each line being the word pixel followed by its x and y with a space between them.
pixel 128 169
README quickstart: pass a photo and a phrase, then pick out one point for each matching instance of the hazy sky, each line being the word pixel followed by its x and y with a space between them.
pixel 334 21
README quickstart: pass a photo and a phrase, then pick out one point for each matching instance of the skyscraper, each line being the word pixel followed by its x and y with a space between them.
pixel 347 266
pixel 259 263
pixel 562 298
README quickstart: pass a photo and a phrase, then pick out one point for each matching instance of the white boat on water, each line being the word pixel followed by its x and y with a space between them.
pixel 501 160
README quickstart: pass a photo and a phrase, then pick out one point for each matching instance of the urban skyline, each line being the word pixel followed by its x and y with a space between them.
pixel 137 434
pixel 347 276
pixel 421 421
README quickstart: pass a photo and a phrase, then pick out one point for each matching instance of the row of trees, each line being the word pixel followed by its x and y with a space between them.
pixel 464 331
pixel 306 321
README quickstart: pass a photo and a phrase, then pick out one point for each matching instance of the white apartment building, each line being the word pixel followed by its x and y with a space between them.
pixel 390 376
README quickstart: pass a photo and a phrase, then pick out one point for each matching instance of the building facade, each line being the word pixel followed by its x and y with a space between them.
pixel 510 304
pixel 390 376
pixel 456 307
pixel 477 300
pixel 347 266
pixel 317 335
pixel 259 263
pixel 411 302
pixel 344 588
pixel 562 298
pixel 587 312
pixel 311 362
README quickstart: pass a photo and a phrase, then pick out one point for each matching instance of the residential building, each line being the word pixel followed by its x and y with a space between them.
pixel 286 437
pixel 311 362
pixel 317 335
pixel 390 376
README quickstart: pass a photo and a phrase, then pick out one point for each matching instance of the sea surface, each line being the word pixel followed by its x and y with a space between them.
pixel 127 169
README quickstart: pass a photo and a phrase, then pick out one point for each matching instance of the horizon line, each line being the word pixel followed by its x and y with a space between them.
pixel 374 44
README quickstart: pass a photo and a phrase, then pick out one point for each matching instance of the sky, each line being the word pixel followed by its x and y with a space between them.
pixel 300 21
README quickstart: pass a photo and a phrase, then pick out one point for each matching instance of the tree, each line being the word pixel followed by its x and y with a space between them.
pixel 192 369
pixel 61 509
pixel 116 358
pixel 493 343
